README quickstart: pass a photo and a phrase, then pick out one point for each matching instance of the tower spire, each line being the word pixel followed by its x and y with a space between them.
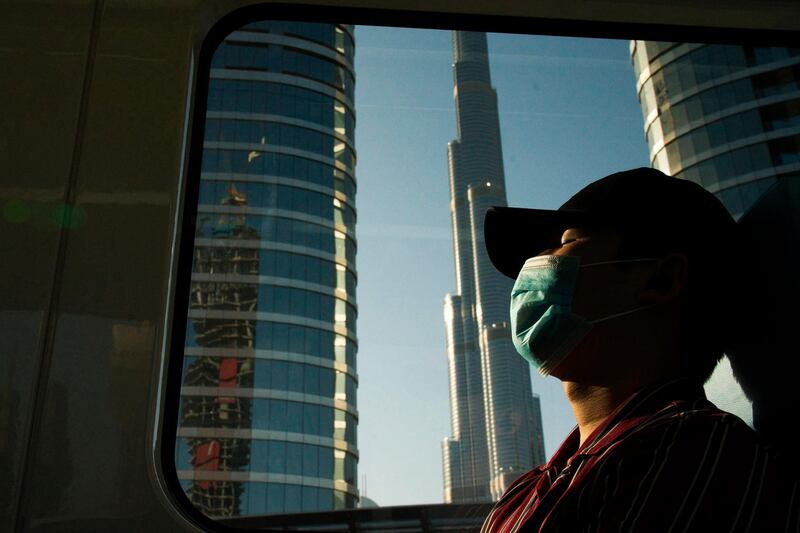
pixel 495 435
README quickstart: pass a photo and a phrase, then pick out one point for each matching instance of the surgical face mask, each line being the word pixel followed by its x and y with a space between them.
pixel 543 327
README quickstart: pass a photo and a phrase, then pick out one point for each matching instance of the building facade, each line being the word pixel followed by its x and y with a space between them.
pixel 495 420
pixel 726 117
pixel 268 404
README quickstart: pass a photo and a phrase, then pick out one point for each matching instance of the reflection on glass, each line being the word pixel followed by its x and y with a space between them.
pixel 270 336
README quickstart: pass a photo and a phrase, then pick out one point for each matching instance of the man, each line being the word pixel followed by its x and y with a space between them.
pixel 627 295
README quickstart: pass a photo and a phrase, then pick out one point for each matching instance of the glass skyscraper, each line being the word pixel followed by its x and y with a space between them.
pixel 726 117
pixel 495 418
pixel 268 405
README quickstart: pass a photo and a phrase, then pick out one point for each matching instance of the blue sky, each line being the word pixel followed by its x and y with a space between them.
pixel 568 115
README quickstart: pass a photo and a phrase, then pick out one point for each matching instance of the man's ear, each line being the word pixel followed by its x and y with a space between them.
pixel 669 281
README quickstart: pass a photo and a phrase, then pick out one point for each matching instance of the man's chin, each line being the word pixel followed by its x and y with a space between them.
pixel 581 365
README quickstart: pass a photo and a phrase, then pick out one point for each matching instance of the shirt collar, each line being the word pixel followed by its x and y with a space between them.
pixel 638 407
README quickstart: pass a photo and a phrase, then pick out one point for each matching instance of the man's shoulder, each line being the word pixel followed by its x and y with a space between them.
pixel 682 447
pixel 689 419
pixel 676 442
pixel 682 467
pixel 681 428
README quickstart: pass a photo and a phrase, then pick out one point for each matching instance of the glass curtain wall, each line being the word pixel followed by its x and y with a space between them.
pixel 724 116
pixel 268 409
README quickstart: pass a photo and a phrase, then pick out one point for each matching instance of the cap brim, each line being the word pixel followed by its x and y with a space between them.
pixel 513 235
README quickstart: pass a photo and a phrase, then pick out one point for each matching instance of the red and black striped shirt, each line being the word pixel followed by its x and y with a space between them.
pixel 665 460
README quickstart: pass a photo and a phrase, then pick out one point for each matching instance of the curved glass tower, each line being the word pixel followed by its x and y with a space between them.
pixel 496 423
pixel 268 412
pixel 726 117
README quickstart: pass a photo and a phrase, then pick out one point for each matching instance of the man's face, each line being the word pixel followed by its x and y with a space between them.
pixel 599 288
pixel 602 290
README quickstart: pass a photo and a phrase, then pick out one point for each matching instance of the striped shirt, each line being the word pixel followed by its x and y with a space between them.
pixel 665 460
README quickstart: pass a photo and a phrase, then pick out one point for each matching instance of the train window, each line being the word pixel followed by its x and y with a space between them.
pixel 291 414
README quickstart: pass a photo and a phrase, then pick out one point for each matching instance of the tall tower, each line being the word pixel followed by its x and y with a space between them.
pixel 268 412
pixel 496 425
pixel 724 116
pixel 728 118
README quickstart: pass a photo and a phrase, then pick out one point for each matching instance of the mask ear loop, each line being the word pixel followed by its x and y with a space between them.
pixel 599 320
pixel 623 313
pixel 622 261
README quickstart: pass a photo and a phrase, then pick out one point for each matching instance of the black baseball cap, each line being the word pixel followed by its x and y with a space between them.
pixel 676 214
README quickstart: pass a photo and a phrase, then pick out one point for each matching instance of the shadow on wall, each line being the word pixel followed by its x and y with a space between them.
pixel 764 357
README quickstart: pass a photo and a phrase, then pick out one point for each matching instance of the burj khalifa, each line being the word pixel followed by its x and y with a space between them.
pixel 495 417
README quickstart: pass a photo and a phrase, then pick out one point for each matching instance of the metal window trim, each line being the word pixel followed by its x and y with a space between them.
pixel 268 434
pixel 664 59
pixel 244 35
pixel 282 318
pixel 284 79
pixel 255 244
pixel 278 149
pixel 269 394
pixel 279 180
pixel 750 177
pixel 759 138
pixel 264 477
pixel 695 90
pixel 281 119
pixel 273 355
pixel 278 213
pixel 276 281
pixel 705 120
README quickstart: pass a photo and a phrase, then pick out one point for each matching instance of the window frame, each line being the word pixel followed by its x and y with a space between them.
pixel 165 432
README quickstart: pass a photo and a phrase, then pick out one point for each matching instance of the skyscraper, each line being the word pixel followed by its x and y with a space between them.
pixel 496 424
pixel 726 117
pixel 268 414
